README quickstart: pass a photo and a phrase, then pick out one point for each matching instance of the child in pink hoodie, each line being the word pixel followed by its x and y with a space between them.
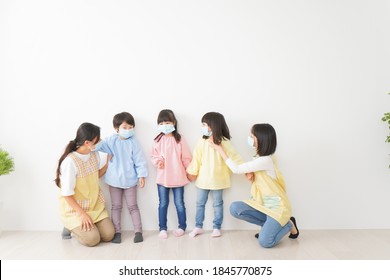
pixel 171 155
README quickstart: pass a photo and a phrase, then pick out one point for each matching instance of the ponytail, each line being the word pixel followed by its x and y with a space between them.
pixel 72 146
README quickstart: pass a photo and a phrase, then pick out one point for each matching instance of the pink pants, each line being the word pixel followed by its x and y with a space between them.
pixel 130 195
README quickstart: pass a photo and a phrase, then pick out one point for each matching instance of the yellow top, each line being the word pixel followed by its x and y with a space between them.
pixel 269 196
pixel 87 194
pixel 209 166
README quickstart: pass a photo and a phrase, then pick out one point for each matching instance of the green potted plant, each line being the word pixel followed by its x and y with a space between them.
pixel 6 167
pixel 386 118
pixel 6 163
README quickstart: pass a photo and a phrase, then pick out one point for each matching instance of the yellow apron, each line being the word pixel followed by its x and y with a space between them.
pixel 87 194
pixel 269 196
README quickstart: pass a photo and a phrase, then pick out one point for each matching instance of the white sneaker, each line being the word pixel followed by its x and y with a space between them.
pixel 196 231
pixel 163 234
pixel 216 233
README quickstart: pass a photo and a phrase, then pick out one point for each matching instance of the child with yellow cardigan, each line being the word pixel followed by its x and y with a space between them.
pixel 210 171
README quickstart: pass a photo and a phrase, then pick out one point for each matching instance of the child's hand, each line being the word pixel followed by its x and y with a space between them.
pixel 191 177
pixel 160 164
pixel 109 157
pixel 141 182
pixel 250 176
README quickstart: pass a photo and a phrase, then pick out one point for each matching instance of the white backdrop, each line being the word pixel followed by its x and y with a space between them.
pixel 318 71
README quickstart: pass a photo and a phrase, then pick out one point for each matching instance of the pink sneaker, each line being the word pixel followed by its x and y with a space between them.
pixel 163 234
pixel 216 233
pixel 196 231
pixel 179 232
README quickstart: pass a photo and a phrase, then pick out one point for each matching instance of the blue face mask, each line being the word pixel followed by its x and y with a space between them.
pixel 206 132
pixel 251 142
pixel 126 133
pixel 166 128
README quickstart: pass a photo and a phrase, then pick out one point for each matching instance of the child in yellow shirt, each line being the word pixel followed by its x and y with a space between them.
pixel 210 170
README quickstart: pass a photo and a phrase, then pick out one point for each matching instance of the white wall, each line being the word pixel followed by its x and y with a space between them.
pixel 317 70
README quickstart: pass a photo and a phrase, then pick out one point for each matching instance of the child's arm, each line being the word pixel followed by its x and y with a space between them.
pixel 194 166
pixel 103 170
pixel 157 159
pixel 139 161
pixel 105 147
pixel 185 153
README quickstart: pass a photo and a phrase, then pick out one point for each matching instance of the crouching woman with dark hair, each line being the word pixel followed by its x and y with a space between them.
pixel 269 206
pixel 82 205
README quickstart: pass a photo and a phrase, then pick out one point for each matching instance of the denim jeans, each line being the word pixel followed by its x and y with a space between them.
pixel 201 200
pixel 271 233
pixel 178 196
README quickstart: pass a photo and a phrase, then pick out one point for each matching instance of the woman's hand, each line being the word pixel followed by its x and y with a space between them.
pixel 219 149
pixel 86 222
pixel 216 147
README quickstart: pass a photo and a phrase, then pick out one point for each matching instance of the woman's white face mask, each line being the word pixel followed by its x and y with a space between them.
pixel 251 142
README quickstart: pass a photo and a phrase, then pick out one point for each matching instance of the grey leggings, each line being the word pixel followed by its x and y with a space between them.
pixel 130 195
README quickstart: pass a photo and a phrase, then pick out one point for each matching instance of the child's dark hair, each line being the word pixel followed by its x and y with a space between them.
pixel 123 117
pixel 85 132
pixel 219 128
pixel 167 115
pixel 266 138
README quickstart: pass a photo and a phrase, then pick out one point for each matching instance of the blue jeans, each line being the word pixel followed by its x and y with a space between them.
pixel 201 200
pixel 178 194
pixel 272 232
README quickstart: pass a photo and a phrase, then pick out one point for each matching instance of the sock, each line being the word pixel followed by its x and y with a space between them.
pixel 196 231
pixel 179 232
pixel 117 238
pixel 216 233
pixel 138 237
pixel 163 234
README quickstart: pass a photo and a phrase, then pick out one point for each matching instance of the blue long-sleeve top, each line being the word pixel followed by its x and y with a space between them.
pixel 127 164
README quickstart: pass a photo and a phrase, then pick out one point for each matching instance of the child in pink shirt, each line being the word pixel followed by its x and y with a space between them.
pixel 171 155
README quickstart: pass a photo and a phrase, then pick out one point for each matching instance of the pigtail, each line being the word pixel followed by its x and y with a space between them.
pixel 158 137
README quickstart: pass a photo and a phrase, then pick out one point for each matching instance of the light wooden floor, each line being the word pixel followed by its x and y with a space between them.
pixel 233 245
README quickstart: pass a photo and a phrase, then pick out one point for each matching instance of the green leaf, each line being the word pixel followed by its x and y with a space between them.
pixel 6 163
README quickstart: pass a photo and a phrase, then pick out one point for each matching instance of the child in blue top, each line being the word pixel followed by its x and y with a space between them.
pixel 127 168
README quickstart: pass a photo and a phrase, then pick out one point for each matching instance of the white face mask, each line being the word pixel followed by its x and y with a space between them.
pixel 206 132
pixel 251 142
pixel 126 133
pixel 166 128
